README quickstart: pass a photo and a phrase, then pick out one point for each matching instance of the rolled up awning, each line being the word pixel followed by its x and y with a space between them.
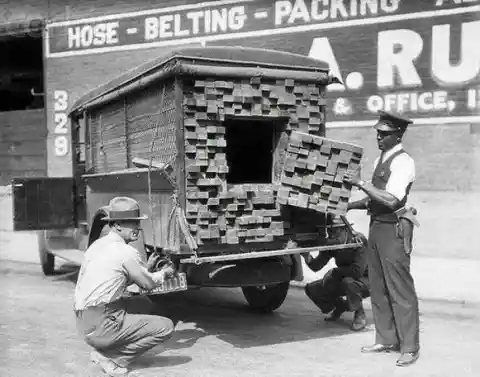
pixel 32 28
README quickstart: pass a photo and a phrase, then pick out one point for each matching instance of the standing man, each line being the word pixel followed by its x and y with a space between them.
pixel 118 328
pixel 393 296
pixel 348 279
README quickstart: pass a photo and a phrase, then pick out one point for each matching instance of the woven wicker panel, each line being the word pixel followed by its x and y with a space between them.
pixel 152 119
pixel 108 138
pixel 130 126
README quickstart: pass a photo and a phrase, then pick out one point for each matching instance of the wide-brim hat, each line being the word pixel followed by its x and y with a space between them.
pixel 390 122
pixel 124 208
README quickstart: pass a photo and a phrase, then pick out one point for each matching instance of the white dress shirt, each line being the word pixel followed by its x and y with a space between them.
pixel 402 170
pixel 103 277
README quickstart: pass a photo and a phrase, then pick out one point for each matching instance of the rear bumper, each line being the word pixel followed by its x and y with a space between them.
pixel 265 254
pixel 251 268
pixel 240 273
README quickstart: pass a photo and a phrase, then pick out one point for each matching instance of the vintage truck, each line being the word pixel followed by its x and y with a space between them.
pixel 205 139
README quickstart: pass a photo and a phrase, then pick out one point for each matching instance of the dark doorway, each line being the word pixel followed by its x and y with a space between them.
pixel 21 72
pixel 250 150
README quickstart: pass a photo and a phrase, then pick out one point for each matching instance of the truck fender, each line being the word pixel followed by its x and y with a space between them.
pixel 296 267
pixel 97 224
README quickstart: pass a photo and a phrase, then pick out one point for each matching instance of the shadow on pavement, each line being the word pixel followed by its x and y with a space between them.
pixel 159 361
pixel 224 314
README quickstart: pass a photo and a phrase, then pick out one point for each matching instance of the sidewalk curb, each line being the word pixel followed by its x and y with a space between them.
pixel 472 304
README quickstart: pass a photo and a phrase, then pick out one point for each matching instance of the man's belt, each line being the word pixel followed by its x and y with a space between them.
pixel 93 308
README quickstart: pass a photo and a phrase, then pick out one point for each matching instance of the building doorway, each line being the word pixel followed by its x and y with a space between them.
pixel 22 106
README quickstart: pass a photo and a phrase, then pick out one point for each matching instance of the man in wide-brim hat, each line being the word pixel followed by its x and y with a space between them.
pixel 118 328
pixel 348 279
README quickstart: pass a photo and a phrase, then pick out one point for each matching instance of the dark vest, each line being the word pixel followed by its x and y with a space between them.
pixel 380 177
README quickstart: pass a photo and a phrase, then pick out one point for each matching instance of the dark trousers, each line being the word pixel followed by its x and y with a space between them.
pixel 328 292
pixel 393 296
pixel 123 329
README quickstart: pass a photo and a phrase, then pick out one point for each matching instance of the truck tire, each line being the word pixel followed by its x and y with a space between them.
pixel 47 259
pixel 268 298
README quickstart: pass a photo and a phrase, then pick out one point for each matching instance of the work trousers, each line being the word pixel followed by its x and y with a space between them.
pixel 392 289
pixel 328 292
pixel 123 329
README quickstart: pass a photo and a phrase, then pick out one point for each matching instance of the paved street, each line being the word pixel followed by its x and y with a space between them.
pixel 218 336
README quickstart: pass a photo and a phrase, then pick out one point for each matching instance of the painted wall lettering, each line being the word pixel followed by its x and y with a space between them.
pixel 225 19
pixel 87 36
pixel 61 132
pixel 419 58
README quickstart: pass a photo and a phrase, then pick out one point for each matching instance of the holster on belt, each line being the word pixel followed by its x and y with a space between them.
pixel 406 221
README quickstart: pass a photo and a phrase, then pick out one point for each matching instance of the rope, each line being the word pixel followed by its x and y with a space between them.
pixel 177 221
pixel 172 233
pixel 327 234
pixel 149 177
pixel 177 224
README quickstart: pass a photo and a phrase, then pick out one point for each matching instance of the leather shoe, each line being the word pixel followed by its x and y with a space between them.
pixel 377 348
pixel 407 358
pixel 108 366
pixel 359 320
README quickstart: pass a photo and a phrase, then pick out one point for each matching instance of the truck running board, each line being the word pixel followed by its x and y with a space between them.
pixel 267 254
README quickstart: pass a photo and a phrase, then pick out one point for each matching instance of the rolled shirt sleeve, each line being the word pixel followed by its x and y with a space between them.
pixel 402 174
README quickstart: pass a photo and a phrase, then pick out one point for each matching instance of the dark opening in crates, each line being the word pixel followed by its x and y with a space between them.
pixel 251 147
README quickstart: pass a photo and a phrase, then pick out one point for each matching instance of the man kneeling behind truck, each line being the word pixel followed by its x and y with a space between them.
pixel 349 278
pixel 117 327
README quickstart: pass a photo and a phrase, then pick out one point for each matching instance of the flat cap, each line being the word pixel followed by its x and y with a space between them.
pixel 391 122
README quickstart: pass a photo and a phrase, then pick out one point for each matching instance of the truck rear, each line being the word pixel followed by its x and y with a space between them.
pixel 224 148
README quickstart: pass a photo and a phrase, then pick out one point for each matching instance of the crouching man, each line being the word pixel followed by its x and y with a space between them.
pixel 118 328
pixel 349 279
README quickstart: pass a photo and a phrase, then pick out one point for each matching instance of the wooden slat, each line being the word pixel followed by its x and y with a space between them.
pixel 20 163
pixel 22 125
pixel 22 144
pixel 22 148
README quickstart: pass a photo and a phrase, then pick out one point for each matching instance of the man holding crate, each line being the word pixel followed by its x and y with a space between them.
pixel 115 326
pixel 393 295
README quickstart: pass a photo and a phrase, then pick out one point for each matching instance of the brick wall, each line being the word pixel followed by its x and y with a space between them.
pixel 22 144
pixel 22 12
pixel 447 156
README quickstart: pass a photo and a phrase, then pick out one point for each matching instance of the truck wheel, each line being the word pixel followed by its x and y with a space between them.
pixel 268 298
pixel 47 259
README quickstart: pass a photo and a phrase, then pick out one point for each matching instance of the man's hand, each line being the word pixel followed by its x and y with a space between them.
pixel 169 270
pixel 306 256
pixel 352 178
pixel 359 238
pixel 152 261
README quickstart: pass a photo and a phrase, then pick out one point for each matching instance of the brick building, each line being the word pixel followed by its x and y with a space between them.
pixel 416 57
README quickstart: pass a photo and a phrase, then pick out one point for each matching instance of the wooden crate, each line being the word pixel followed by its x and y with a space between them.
pixel 313 173
pixel 245 213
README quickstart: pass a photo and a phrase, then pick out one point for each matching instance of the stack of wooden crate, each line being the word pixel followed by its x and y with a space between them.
pixel 246 213
pixel 314 171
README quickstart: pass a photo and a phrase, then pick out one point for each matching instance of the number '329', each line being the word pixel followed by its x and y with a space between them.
pixel 60 107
